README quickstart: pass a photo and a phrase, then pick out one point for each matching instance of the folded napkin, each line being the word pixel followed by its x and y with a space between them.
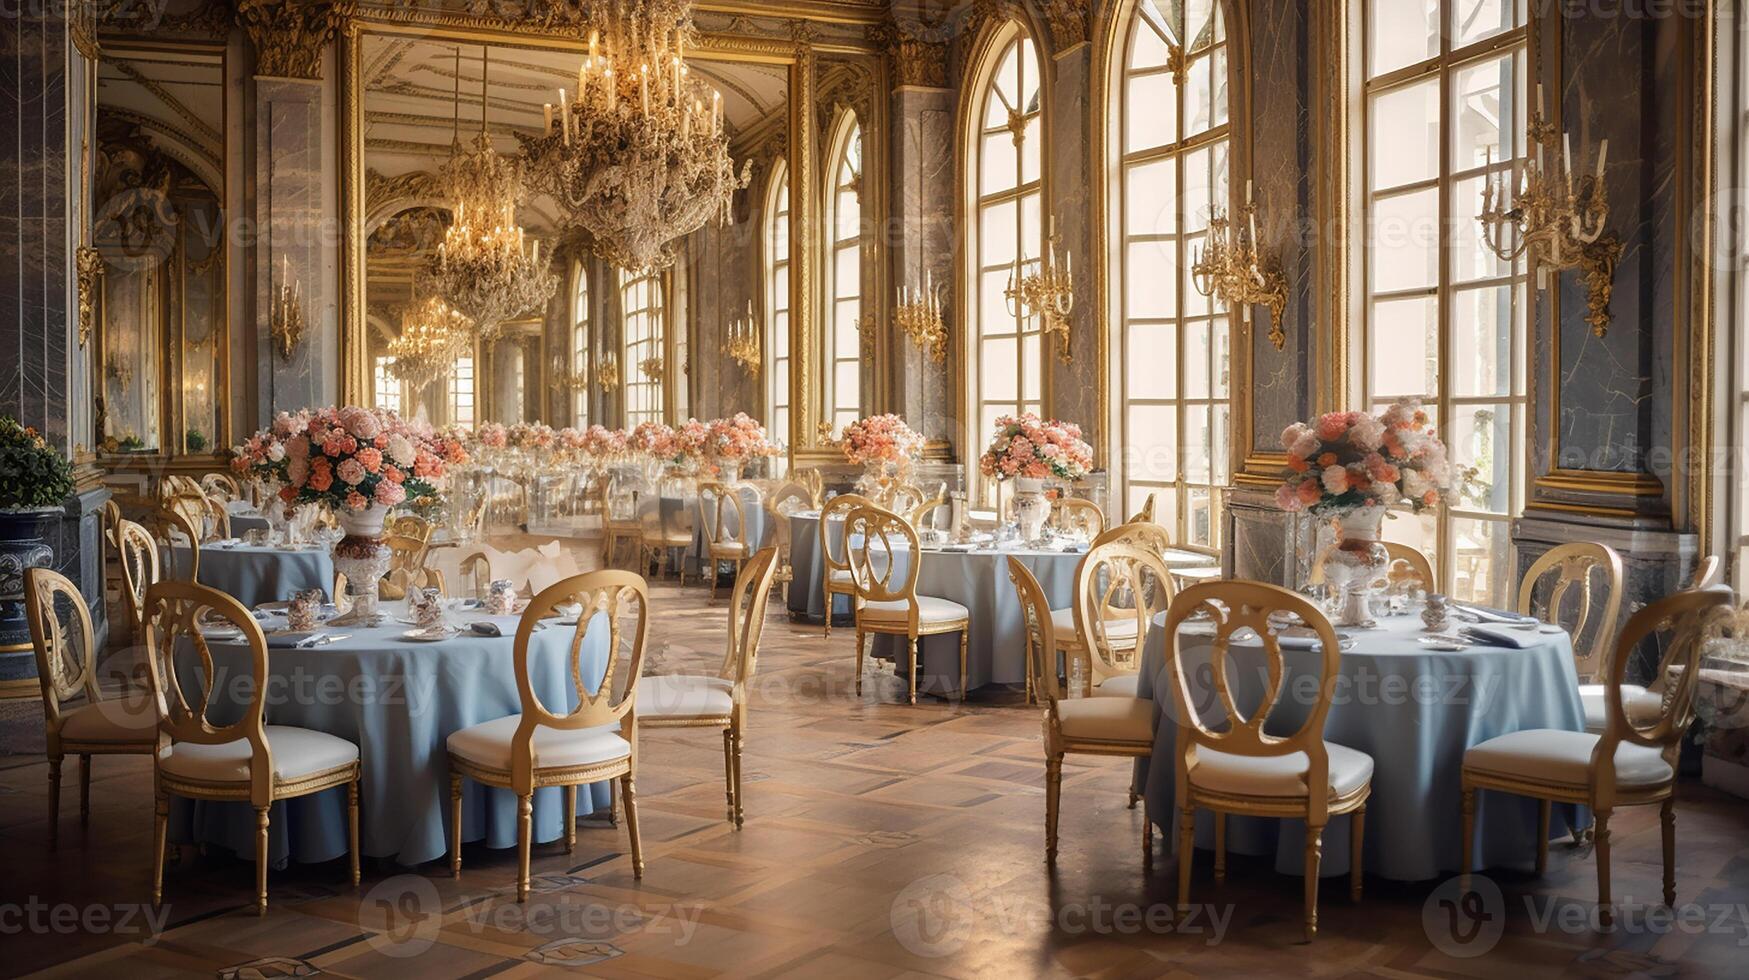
pixel 1501 636
pixel 293 641
pixel 496 625
pixel 1495 615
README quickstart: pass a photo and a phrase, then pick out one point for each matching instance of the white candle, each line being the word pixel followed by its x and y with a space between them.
pixel 1247 192
pixel 547 111
pixel 1602 158
pixel 1567 160
pixel 565 115
pixel 612 88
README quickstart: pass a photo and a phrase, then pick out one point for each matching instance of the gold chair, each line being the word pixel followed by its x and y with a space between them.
pixel 1066 636
pixel 835 578
pixel 220 486
pixel 701 701
pixel 66 668
pixel 247 760
pixel 539 747
pixel 1121 727
pixel 814 483
pixel 1415 563
pixel 790 499
pixel 1234 766
pixel 927 514
pixel 662 533
pixel 904 499
pixel 177 521
pixel 1632 762
pixel 616 526
pixel 407 568
pixel 896 610
pixel 1146 514
pixel 138 556
pixel 1075 514
pixel 411 526
pixel 724 539
pixel 477 569
pixel 1709 573
pixel 1572 566
pixel 1115 600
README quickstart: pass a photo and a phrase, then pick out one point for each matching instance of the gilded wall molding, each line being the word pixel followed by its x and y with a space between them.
pixel 88 262
pixel 289 35
pixel 1068 22
pixel 82 25
pixel 918 54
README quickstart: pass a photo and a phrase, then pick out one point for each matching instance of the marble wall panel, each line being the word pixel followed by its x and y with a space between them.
pixel 290 156
pixel 922 207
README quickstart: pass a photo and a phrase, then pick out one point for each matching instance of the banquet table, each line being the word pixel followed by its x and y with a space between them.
pixel 255 574
pixel 398 700
pixel 244 517
pixel 1414 709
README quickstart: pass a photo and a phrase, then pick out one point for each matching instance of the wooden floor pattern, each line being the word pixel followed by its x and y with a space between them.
pixel 882 840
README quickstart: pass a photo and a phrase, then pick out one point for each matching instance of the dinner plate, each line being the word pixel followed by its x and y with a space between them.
pixel 1441 643
pixel 423 636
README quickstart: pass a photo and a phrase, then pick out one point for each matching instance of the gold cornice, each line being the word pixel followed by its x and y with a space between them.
pixel 290 35
pixel 1614 483
pixel 917 54
pixel 1068 21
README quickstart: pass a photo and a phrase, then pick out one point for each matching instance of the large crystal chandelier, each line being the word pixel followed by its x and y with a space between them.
pixel 433 335
pixel 637 156
pixel 485 267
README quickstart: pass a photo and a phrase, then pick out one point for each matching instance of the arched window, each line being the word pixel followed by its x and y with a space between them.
pixel 1173 344
pixel 844 272
pixel 1005 375
pixel 777 304
pixel 580 341
pixel 1445 320
pixel 645 362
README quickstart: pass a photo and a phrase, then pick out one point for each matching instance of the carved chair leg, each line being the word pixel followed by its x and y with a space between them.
pixel 1314 855
pixel 965 678
pixel 352 824
pixel 160 829
pixel 1220 847
pixel 1667 817
pixel 913 648
pixel 1053 800
pixel 1186 852
pixel 524 841
pixel 740 799
pixel 570 818
pixel 632 827
pixel 455 824
pixel 860 640
pixel 261 818
pixel 54 802
pixel 1600 831
pixel 729 770
pixel 1356 852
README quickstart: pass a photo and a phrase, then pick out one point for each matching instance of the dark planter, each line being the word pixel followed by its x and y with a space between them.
pixel 23 544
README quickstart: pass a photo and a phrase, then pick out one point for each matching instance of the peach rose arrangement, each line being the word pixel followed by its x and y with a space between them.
pixel 1027 447
pixel 263 455
pixel 1346 461
pixel 880 439
pixel 354 457
pixel 738 438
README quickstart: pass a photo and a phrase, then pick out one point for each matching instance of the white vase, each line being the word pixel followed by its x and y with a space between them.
pixel 1355 564
pixel 362 555
pixel 1031 508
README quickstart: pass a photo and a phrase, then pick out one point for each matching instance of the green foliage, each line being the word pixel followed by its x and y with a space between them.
pixel 195 441
pixel 32 473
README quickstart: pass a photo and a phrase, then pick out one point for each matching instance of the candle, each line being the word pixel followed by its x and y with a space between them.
pixel 1247 192
pixel 1567 160
pixel 612 88
pixel 716 113
pixel 547 111
pixel 537 251
pixel 594 37
pixel 1602 158
pixel 565 115
pixel 644 87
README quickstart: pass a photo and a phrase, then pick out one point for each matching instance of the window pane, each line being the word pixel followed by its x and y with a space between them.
pixel 1405 348
pixel 1471 258
pixel 1484 339
pixel 1151 288
pixel 1153 442
pixel 1473 20
pixel 1405 241
pixel 1406 121
pixel 1151 363
pixel 1481 438
pixel 997 362
pixel 1000 162
pixel 1484 112
pixel 1481 558
pixel 1400 33
pixel 1152 110
pixel 1151 198
pixel 996 234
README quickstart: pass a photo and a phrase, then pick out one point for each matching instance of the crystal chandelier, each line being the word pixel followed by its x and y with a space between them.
pixel 485 267
pixel 433 335
pixel 637 156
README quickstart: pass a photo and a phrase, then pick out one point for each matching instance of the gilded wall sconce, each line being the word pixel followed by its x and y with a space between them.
pixel 651 367
pixel 607 372
pixel 286 325
pixel 1047 292
pixel 1541 209
pixel 566 378
pixel 918 314
pixel 1231 267
pixel 742 344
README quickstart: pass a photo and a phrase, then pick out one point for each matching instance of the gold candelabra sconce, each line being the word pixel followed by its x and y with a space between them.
pixel 607 372
pixel 1230 266
pixel 88 262
pixel 742 344
pixel 286 325
pixel 918 314
pixel 651 367
pixel 1559 220
pixel 566 377
pixel 1047 292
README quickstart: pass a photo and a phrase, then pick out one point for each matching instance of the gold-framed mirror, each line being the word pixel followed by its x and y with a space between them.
pixel 161 336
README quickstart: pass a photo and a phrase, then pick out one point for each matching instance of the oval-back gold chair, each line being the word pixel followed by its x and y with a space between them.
pixel 476 573
pixel 876 543
pixel 220 486
pixel 546 745
pixel 66 670
pixel 722 510
pixel 246 760
pixel 815 484
pixel 666 532
pixel 619 520
pixel 137 555
pixel 1414 563
pixel 702 701
pixel 927 514
pixel 1709 573
pixel 1230 764
pixel 1075 514
pixel 904 498
pixel 1146 514
pixel 1116 598
pixel 1094 726
pixel 408 568
pixel 411 526
pixel 835 578
pixel 1066 635
pixel 1632 762
pixel 179 523
pixel 1573 567
pixel 790 499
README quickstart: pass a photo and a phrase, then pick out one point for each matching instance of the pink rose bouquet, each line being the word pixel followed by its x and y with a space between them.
pixel 880 439
pixel 1026 446
pixel 1345 461
pixel 354 457
pixel 532 436
pixel 654 439
pixel 492 435
pixel 740 437
pixel 690 440
pixel 603 442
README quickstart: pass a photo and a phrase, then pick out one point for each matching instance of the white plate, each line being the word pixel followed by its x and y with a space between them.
pixel 421 636
pixel 1435 643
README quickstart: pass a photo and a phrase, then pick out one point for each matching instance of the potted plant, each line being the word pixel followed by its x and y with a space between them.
pixel 35 482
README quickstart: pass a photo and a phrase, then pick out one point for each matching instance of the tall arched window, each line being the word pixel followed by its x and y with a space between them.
pixel 1445 319
pixel 1005 374
pixel 844 269
pixel 777 303
pixel 645 361
pixel 580 341
pixel 1173 346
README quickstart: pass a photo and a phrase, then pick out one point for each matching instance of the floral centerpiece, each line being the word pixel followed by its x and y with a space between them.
pixel 35 482
pixel 262 457
pixel 653 439
pixel 492 435
pixel 880 439
pixel 1350 468
pixel 531 436
pixel 690 440
pixel 731 442
pixel 1029 451
pixel 604 443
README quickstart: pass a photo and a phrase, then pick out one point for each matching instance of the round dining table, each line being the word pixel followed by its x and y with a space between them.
pixel 398 700
pixel 254 574
pixel 1413 708
pixel 244 517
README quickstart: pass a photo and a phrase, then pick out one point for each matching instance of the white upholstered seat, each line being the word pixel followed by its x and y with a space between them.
pixel 297 753
pixel 1277 775
pixel 1643 706
pixel 842 576
pixel 1116 629
pixel 1563 758
pixel 111 721
pixel 488 745
pixel 729 549
pixel 1106 720
pixel 685 696
pixel 929 610
pixel 1121 686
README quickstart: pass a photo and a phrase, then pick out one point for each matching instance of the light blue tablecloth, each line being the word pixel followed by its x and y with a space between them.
pixel 1415 711
pixel 399 701
pixel 257 574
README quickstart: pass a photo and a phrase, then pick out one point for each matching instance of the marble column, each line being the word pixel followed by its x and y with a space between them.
pixel 292 175
pixel 1077 389
pixel 921 120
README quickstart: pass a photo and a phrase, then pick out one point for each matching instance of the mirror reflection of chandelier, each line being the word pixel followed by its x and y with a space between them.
pixel 485 267
pixel 433 335
pixel 637 156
